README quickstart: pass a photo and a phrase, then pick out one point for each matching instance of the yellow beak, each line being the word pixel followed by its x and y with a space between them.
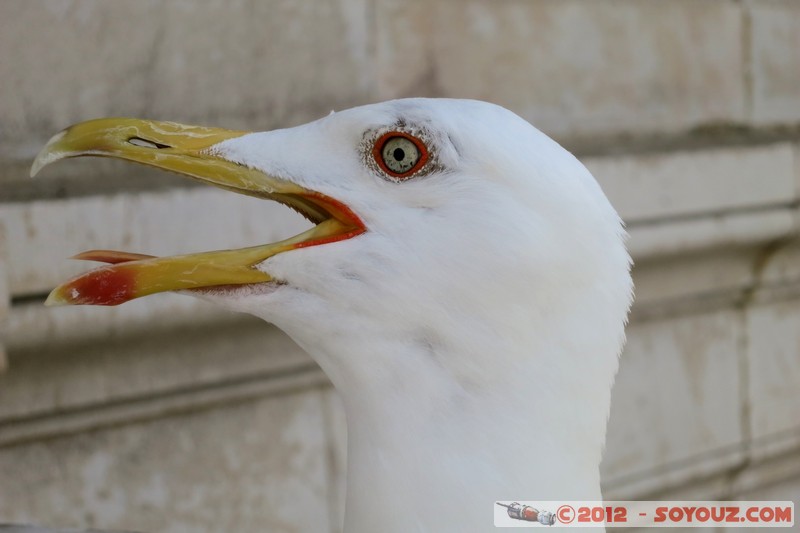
pixel 187 150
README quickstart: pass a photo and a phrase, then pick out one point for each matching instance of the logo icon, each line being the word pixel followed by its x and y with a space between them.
pixel 526 513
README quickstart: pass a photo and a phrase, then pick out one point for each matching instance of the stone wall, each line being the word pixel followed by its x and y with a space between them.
pixel 167 414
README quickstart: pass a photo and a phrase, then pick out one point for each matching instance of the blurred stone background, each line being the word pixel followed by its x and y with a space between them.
pixel 167 414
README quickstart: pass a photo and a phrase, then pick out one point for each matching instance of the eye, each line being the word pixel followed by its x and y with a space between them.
pixel 399 154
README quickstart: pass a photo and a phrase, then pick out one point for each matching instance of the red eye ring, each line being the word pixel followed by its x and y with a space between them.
pixel 377 153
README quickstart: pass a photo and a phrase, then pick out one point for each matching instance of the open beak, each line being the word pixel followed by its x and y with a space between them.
pixel 187 150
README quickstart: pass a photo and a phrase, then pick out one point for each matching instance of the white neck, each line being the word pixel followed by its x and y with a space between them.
pixel 426 428
pixel 405 462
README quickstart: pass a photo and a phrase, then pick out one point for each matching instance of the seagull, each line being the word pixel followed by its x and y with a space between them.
pixel 465 286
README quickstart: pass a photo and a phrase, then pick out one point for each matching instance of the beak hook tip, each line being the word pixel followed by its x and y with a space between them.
pixel 48 154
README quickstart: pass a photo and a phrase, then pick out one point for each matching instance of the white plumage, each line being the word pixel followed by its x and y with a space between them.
pixel 474 329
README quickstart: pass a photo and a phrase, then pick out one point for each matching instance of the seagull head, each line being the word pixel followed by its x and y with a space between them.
pixel 461 266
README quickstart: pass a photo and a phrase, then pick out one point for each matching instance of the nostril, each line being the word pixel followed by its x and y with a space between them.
pixel 144 143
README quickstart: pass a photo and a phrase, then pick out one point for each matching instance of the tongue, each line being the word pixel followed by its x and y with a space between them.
pixel 111 256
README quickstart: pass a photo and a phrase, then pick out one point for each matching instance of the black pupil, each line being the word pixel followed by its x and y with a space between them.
pixel 398 154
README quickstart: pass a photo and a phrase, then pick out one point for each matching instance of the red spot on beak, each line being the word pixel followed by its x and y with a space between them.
pixel 103 286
